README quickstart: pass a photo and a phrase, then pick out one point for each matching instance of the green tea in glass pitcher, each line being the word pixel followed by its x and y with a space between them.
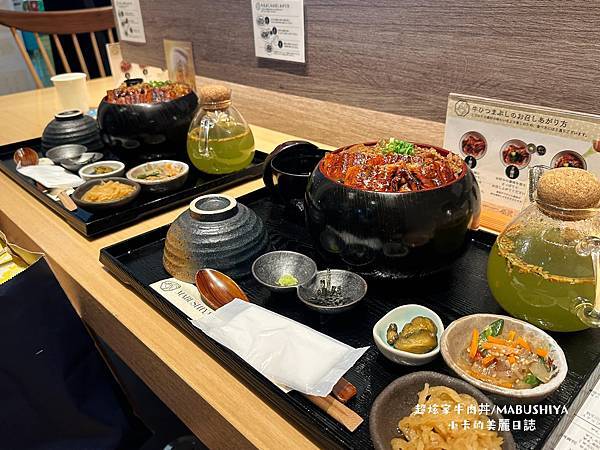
pixel 543 267
pixel 219 139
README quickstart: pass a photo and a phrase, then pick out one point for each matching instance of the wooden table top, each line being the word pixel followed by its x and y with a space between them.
pixel 210 400
pixel 217 406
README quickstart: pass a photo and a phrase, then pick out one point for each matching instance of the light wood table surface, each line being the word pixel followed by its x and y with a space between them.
pixel 217 406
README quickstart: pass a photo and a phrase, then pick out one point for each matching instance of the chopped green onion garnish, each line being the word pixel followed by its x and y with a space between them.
pixel 400 147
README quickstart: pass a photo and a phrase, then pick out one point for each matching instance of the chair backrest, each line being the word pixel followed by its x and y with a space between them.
pixel 55 23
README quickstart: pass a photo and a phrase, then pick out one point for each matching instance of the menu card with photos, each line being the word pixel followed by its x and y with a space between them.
pixel 501 140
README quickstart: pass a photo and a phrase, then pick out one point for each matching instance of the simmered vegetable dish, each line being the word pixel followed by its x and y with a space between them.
pixel 505 359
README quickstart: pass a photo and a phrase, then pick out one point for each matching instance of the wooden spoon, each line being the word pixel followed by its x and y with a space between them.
pixel 26 156
pixel 217 289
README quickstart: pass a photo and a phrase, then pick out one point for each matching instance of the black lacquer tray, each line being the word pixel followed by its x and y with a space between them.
pixel 146 205
pixel 461 291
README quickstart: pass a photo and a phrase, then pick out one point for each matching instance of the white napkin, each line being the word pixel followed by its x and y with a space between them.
pixel 51 176
pixel 284 351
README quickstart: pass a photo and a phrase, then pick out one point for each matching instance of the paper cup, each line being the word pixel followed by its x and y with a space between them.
pixel 72 91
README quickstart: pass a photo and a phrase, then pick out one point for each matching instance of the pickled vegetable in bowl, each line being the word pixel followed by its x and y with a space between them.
pixel 409 335
pixel 506 359
pixel 160 176
pixel 417 336
pixel 107 191
pixel 155 172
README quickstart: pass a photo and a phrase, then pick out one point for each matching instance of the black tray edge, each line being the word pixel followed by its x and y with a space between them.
pixel 285 403
pixel 90 232
pixel 255 382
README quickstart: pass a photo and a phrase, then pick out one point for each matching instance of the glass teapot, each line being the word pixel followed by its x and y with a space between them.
pixel 544 266
pixel 219 139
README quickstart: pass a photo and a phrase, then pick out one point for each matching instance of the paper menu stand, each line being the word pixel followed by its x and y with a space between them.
pixel 501 140
pixel 122 69
pixel 179 58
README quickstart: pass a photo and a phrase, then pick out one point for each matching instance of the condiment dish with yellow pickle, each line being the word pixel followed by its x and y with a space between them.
pixel 409 335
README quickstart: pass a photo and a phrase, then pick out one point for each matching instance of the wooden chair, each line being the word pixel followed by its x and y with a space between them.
pixel 55 23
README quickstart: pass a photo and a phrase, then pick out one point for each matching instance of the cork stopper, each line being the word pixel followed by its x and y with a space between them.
pixel 215 96
pixel 568 188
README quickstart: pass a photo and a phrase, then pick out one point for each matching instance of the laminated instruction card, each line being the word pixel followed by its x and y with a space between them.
pixel 501 140
pixel 279 29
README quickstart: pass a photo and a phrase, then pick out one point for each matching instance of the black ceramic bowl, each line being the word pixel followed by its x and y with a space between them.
pixel 72 127
pixel 398 398
pixel 391 234
pixel 147 131
pixel 101 206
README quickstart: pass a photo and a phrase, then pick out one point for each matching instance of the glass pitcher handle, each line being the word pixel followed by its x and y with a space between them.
pixel 206 124
pixel 588 312
pixel 535 174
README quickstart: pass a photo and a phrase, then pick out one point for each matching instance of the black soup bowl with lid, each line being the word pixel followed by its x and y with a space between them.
pixel 392 235
pixel 147 127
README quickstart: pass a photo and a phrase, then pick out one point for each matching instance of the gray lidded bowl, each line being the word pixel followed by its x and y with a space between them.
pixel 399 397
pixel 268 268
pixel 216 232
pixel 353 286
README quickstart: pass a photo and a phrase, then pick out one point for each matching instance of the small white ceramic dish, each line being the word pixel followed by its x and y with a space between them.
pixel 401 316
pixel 164 185
pixel 456 338
pixel 87 172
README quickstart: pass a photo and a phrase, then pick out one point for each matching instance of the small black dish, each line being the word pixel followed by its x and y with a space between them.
pixel 72 127
pixel 101 206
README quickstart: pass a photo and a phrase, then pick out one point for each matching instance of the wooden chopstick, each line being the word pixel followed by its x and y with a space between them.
pixel 337 411
pixel 67 201
pixel 329 405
